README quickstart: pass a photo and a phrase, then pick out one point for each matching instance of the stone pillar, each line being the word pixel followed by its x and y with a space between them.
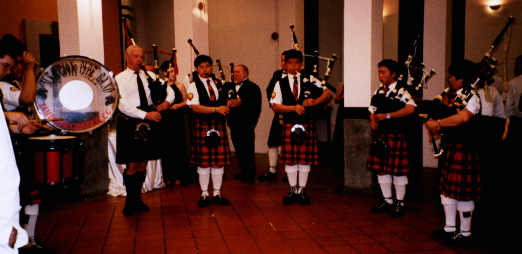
pixel 363 40
pixel 81 33
pixel 190 22
pixel 436 56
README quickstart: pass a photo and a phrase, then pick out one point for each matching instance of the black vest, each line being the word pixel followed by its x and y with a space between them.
pixel 308 90
pixel 204 98
pixel 387 104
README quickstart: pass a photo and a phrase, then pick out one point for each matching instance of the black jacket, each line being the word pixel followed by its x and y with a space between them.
pixel 247 114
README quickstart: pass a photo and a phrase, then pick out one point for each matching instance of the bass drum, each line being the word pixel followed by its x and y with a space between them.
pixel 76 94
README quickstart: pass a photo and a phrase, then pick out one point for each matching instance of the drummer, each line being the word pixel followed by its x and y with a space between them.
pixel 134 91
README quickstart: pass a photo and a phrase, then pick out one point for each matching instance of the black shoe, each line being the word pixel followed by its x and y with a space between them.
pixel 460 240
pixel 220 200
pixel 290 198
pixel 382 207
pixel 268 177
pixel 203 201
pixel 129 208
pixel 397 209
pixel 303 198
pixel 140 206
pixel 442 235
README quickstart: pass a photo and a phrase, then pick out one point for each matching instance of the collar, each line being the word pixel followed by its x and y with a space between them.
pixel 392 86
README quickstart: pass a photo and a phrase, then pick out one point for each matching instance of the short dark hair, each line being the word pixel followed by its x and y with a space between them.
pixel 463 69
pixel 165 66
pixel 13 46
pixel 391 65
pixel 202 59
pixel 293 53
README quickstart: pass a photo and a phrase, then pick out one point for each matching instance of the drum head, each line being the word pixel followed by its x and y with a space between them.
pixel 77 94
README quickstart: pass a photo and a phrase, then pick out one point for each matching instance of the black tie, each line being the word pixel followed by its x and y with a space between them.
pixel 141 91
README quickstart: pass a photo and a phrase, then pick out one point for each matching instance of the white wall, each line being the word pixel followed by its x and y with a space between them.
pixel 240 32
pixel 483 25
pixel 390 29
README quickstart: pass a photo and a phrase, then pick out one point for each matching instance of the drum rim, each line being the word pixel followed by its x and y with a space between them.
pixel 43 138
pixel 117 93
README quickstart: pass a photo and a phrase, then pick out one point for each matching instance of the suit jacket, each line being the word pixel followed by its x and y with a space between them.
pixel 247 114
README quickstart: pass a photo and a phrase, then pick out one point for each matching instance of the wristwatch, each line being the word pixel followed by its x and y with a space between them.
pixel 388 116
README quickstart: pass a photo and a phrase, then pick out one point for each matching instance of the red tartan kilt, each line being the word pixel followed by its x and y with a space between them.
pixel 201 154
pixel 395 161
pixel 304 154
pixel 460 173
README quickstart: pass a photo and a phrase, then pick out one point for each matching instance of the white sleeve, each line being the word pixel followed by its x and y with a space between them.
pixel 170 94
pixel 473 105
pixel 276 97
pixel 11 94
pixel 499 104
pixel 192 95
pixel 126 104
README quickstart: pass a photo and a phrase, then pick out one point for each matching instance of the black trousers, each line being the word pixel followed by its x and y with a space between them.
pixel 243 138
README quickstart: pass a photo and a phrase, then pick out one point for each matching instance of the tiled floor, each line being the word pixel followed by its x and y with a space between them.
pixel 256 222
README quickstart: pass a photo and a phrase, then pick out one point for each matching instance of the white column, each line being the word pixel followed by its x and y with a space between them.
pixel 190 23
pixel 81 28
pixel 435 56
pixel 363 37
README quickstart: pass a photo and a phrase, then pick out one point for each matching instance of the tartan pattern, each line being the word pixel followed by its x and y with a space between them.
pixel 201 154
pixel 396 160
pixel 306 153
pixel 460 173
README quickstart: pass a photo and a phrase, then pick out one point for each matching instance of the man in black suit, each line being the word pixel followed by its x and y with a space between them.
pixel 245 107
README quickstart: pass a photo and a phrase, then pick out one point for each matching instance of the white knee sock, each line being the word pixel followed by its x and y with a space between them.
pixel 450 212
pixel 217 179
pixel 465 209
pixel 400 182
pixel 204 178
pixel 291 171
pixel 385 182
pixel 304 170
pixel 272 159
pixel 32 211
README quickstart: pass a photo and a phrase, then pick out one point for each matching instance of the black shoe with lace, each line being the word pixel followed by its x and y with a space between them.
pixel 220 200
pixel 203 201
pixel 303 198
pixel 382 207
pixel 397 209
pixel 461 240
pixel 290 198
pixel 443 236
pixel 268 177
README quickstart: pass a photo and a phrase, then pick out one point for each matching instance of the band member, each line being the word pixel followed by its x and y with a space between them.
pixel 274 136
pixel 513 105
pixel 292 96
pixel 174 159
pixel 210 149
pixel 460 169
pixel 388 156
pixel 132 148
pixel 19 87
pixel 245 107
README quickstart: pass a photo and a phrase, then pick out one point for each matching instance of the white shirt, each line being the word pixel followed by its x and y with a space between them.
pixel 9 196
pixel 277 96
pixel 11 95
pixel 513 97
pixel 192 91
pixel 494 107
pixel 129 95
pixel 473 105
